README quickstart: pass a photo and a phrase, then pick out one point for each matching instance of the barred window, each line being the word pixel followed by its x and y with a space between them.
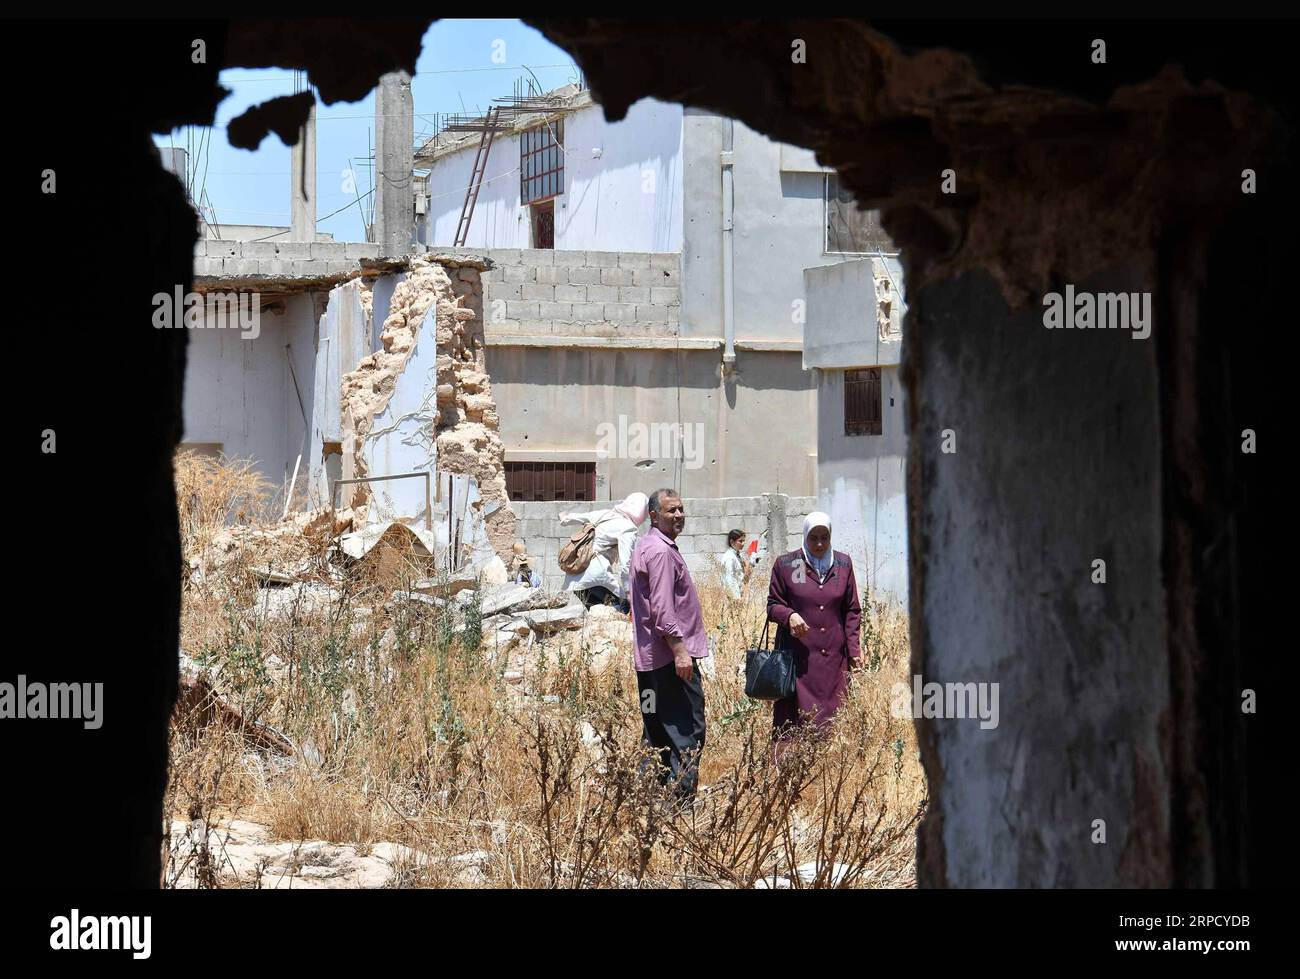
pixel 849 230
pixel 541 162
pixel 551 480
pixel 862 407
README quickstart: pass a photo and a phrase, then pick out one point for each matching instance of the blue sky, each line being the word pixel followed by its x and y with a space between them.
pixel 456 72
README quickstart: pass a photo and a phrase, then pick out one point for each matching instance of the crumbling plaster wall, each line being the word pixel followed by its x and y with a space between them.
pixel 447 415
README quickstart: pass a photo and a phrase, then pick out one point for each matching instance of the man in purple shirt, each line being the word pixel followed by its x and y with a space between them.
pixel 669 630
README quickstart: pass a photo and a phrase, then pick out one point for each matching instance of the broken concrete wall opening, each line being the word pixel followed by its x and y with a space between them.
pixel 398 389
pixel 423 402
pixel 1121 701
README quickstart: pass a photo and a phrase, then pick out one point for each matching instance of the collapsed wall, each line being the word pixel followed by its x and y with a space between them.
pixel 452 421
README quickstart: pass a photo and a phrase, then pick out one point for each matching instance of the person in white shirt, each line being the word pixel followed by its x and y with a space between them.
pixel 735 569
pixel 605 577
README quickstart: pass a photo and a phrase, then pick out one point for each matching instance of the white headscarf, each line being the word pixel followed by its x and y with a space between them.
pixel 636 508
pixel 823 564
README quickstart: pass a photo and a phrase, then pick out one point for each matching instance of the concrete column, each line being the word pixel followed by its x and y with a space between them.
pixel 302 182
pixel 1034 453
pixel 778 533
pixel 394 159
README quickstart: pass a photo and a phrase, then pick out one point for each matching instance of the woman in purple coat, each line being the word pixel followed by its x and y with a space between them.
pixel 813 599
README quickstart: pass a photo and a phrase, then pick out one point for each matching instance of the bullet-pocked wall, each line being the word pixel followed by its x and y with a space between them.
pixel 659 417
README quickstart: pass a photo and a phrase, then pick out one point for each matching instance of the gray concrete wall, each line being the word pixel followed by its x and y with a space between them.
pixel 609 294
pixel 275 259
pixel 855 313
pixel 779 217
pixel 755 436
pixel 582 345
pixel 240 392
pixel 704 538
pixel 1002 591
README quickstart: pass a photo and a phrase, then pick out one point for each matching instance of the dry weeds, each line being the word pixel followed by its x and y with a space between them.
pixel 410 735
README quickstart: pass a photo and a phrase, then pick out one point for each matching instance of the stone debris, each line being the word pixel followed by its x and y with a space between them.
pixel 299 600
pixel 270 576
pixel 415 598
pixel 273 552
pixel 494 572
pixel 447 584
pixel 510 598
pixel 555 619
pixel 242 854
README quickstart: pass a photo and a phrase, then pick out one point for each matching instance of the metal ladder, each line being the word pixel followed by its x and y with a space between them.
pixel 476 175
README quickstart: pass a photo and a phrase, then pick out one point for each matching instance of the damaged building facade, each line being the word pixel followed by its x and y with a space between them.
pixel 637 292
pixel 646 300
pixel 379 373
pixel 1070 446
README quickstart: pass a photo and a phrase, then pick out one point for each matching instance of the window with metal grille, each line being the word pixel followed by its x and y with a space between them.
pixel 541 162
pixel 862 407
pixel 551 480
pixel 850 231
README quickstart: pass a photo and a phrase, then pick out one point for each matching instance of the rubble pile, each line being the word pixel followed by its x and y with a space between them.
pixel 291 572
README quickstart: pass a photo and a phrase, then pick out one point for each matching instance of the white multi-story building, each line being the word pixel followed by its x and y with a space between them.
pixel 649 271
pixel 674 300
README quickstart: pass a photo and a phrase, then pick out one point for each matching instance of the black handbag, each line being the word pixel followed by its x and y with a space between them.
pixel 769 673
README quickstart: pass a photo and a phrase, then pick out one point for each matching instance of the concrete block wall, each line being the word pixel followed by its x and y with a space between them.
pixel 538 291
pixel 705 536
pixel 279 259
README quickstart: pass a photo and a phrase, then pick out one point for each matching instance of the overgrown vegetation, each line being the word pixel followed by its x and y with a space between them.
pixel 410 730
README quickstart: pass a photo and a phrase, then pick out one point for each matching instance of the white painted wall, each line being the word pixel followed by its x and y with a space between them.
pixel 860 483
pixel 860 478
pixel 240 392
pixel 629 198
pixel 779 215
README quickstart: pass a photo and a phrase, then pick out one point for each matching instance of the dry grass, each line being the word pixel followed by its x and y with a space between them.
pixel 417 738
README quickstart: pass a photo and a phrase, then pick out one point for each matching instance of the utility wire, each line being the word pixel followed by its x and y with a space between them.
pixel 318 220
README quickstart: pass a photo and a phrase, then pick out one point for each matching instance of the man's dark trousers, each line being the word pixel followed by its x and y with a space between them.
pixel 672 720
